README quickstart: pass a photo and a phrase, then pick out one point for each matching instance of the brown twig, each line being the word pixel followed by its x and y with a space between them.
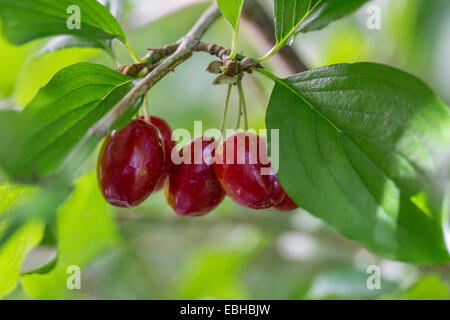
pixel 184 49
pixel 154 56
pixel 213 49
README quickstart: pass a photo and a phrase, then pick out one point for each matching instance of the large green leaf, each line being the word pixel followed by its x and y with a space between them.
pixel 22 241
pixel 366 148
pixel 85 229
pixel 293 16
pixel 231 9
pixel 57 118
pixel 27 20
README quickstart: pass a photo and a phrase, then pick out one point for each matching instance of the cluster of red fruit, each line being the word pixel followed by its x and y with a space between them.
pixel 136 161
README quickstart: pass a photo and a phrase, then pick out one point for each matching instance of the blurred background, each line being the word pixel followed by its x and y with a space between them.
pixel 232 253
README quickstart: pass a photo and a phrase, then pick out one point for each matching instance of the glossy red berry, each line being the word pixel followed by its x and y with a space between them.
pixel 130 164
pixel 239 162
pixel 287 204
pixel 192 188
pixel 169 144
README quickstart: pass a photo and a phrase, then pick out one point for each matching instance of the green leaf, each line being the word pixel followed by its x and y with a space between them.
pixel 14 252
pixel 366 148
pixel 9 194
pixel 327 11
pixel 58 117
pixel 292 17
pixel 38 205
pixel 26 20
pixel 231 10
pixel 85 229
pixel 22 241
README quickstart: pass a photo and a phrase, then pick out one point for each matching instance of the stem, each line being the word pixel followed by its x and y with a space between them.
pixel 235 36
pixel 234 46
pixel 227 101
pixel 154 56
pixel 132 53
pixel 271 53
pixel 146 108
pixel 244 105
pixel 268 74
pixel 238 124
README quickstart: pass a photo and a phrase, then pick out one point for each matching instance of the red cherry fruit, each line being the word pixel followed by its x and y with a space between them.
pixel 169 144
pixel 239 162
pixel 130 164
pixel 287 204
pixel 192 188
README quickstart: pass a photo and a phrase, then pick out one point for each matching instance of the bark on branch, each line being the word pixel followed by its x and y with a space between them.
pixel 184 48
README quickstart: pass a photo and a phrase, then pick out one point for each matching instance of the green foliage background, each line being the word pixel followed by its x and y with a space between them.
pixel 232 253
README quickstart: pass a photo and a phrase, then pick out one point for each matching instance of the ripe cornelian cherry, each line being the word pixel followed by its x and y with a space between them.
pixel 169 144
pixel 130 164
pixel 287 204
pixel 239 164
pixel 192 188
